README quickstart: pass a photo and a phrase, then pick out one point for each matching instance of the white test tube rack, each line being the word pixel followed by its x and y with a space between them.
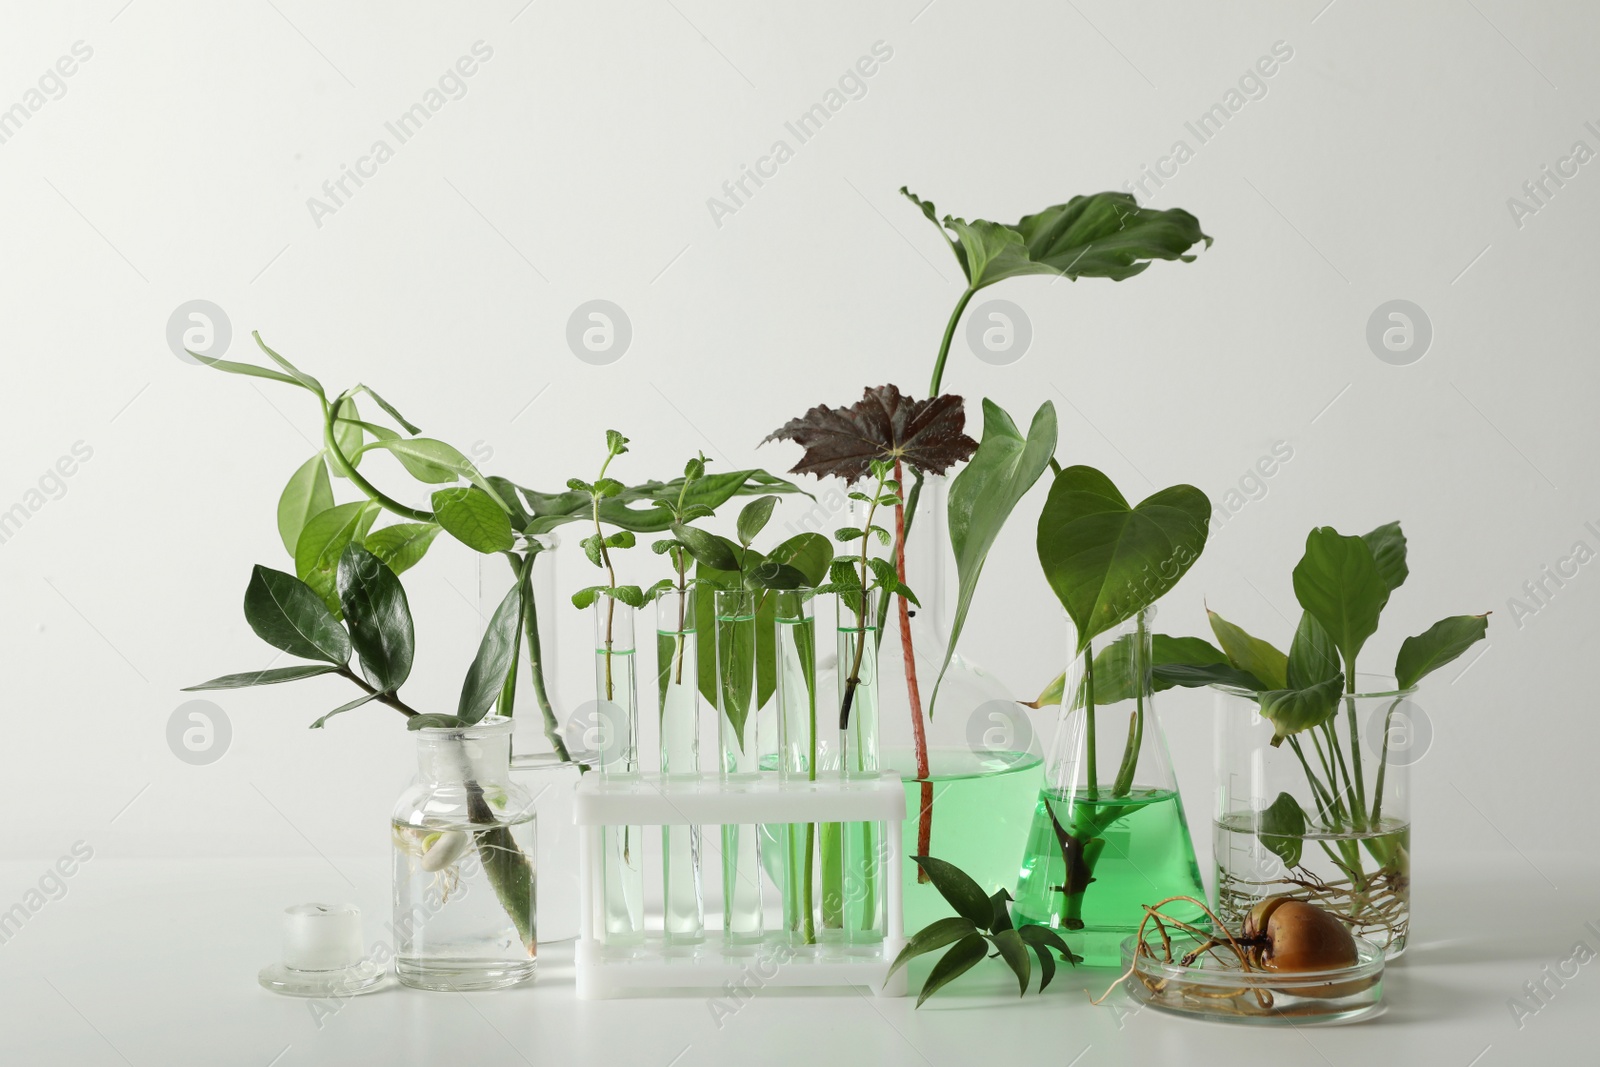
pixel 651 965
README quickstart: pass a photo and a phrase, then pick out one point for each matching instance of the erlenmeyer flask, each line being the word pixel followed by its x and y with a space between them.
pixel 1109 833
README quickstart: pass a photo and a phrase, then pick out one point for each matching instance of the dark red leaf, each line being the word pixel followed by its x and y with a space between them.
pixel 927 434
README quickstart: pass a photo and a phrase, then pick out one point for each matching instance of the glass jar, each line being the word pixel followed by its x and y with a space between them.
pixel 1325 815
pixel 1109 833
pixel 464 841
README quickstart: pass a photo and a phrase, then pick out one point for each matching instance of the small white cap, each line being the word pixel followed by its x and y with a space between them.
pixel 321 937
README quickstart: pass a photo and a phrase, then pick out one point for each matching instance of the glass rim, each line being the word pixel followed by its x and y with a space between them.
pixel 490 727
pixel 1391 690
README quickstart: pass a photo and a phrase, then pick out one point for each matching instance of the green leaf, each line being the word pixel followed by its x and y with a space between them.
pixel 436 463
pixel 1312 655
pixel 388 407
pixel 736 669
pixel 630 595
pixel 497 654
pixel 586 596
pixel 287 614
pixel 1192 676
pixel 753 517
pixel 309 491
pixel 770 574
pixel 247 370
pixel 1282 829
pixel 616 444
pixel 931 938
pixel 1106 561
pixel 366 698
pixel 707 548
pixel 621 539
pixel 1440 643
pixel 379 618
pixel 961 958
pixel 608 487
pixel 1042 939
pixel 434 721
pixel 1338 581
pixel 982 498
pixel 1103 235
pixel 1388 547
pixel 316 553
pixel 471 516
pixel 1015 952
pixel 300 376
pixel 958 890
pixel 266 677
pixel 1250 654
pixel 1293 710
pixel 402 545
pixel 507 492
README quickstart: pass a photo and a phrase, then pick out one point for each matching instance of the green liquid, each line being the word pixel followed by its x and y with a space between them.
pixel 982 806
pixel 1138 852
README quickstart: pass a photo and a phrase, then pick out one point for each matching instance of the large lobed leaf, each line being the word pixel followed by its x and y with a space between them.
pixel 927 434
pixel 1103 235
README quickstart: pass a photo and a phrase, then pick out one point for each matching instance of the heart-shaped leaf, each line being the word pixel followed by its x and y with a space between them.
pixel 497 654
pixel 1293 710
pixel 1250 654
pixel 1337 580
pixel 309 491
pixel 927 434
pixel 379 618
pixel 270 676
pixel 1282 829
pixel 288 615
pixel 1106 560
pixel 1442 642
pixel 1103 235
pixel 472 517
pixel 982 498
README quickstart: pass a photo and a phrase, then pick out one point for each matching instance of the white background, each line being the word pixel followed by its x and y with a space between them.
pixel 177 165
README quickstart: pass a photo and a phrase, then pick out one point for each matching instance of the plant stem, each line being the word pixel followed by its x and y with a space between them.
pixel 342 465
pixel 1359 807
pixel 1130 754
pixel 1383 765
pixel 944 345
pixel 854 679
pixel 919 733
pixel 392 698
pixel 530 629
pixel 1088 719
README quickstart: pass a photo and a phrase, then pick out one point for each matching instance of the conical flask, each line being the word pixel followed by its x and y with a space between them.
pixel 1109 833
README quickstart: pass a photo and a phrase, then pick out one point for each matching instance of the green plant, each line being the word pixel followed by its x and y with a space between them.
pixel 1103 235
pixel 1343 583
pixel 375 627
pixel 488 514
pixel 853 577
pixel 599 545
pixel 980 921
pixel 681 513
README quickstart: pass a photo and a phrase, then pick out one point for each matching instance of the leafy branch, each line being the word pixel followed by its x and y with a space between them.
pixel 598 547
pixel 981 921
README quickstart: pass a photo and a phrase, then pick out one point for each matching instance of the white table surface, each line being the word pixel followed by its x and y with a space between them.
pixel 145 962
